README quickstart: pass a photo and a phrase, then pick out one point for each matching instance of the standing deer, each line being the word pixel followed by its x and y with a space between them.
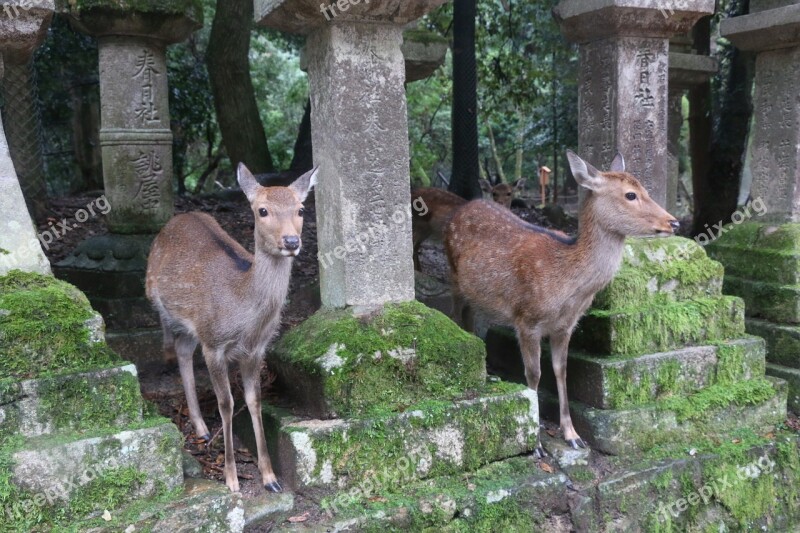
pixel 440 206
pixel 539 281
pixel 209 290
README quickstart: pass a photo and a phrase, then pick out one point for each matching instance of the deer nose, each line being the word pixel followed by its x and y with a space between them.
pixel 675 225
pixel 291 243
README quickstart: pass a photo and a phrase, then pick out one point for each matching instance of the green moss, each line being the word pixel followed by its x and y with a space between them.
pixel 699 405
pixel 3 251
pixel 362 366
pixel 191 7
pixel 423 36
pixel 43 328
pixel 581 474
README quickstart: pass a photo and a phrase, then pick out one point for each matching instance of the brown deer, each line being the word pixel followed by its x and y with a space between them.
pixel 432 209
pixel 537 280
pixel 209 290
pixel 502 193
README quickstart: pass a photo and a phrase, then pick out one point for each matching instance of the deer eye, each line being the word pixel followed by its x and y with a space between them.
pixel 631 196
pixel 301 212
pixel 263 212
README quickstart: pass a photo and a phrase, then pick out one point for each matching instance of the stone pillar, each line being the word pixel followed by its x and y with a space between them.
pixel 624 61
pixel 761 249
pixel 20 34
pixel 360 134
pixel 135 133
pixel 686 70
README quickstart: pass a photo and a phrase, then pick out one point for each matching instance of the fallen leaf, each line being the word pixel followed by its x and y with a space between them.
pixel 378 499
pixel 546 467
pixel 302 518
pixel 551 432
pixel 471 486
pixel 130 529
pixel 107 516
pixel 770 435
pixel 736 441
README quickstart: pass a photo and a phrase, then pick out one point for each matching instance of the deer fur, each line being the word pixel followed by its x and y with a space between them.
pixel 539 281
pixel 209 290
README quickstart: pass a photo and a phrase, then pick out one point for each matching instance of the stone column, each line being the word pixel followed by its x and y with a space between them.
pixel 135 133
pixel 624 61
pixel 20 34
pixel 761 249
pixel 360 134
pixel 686 70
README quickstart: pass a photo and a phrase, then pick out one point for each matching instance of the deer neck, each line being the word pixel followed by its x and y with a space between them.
pixel 598 251
pixel 267 281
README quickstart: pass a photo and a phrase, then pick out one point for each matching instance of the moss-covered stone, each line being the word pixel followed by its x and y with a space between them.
pixel 47 327
pixel 770 301
pixel 193 8
pixel 783 341
pixel 429 439
pixel 758 404
pixel 660 328
pixel 792 378
pixel 338 364
pixel 657 271
pixel 75 402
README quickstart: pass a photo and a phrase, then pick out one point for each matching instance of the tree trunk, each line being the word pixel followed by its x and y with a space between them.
pixel 717 153
pixel 520 152
pixel 23 129
pixel 234 96
pixel 464 181
pixel 498 164
pixel 303 159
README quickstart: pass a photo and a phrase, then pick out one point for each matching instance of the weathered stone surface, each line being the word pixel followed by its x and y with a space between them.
pixel 337 364
pixel 783 341
pixel 767 27
pixel 619 432
pixel 74 402
pixel 792 377
pixel 60 470
pixel 428 440
pixel 23 26
pixel 306 16
pixel 19 245
pixel 563 453
pixel 688 70
pixel 267 507
pixel 424 52
pixel 143 347
pixel 433 293
pixel 779 303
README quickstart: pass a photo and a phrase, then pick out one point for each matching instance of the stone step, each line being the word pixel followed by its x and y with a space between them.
pixel 612 382
pixel 74 402
pixel 792 378
pixel 513 495
pixel 341 364
pixel 768 301
pixel 757 404
pixel 69 477
pixel 661 271
pixel 660 328
pixel 427 440
pixel 783 341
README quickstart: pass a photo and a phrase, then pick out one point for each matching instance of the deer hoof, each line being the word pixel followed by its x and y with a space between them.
pixel 539 452
pixel 575 443
pixel 206 437
pixel 273 486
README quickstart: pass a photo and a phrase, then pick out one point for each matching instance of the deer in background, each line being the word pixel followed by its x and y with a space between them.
pixel 502 193
pixel 537 280
pixel 440 205
pixel 209 290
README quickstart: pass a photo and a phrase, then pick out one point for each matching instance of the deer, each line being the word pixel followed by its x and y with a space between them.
pixel 439 205
pixel 541 282
pixel 209 290
pixel 502 193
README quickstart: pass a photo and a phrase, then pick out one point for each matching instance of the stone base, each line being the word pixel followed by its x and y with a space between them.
pixel 792 378
pixel 427 440
pixel 144 346
pixel 758 405
pixel 783 341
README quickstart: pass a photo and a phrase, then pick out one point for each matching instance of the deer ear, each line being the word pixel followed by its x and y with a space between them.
pixel 485 186
pixel 585 174
pixel 303 185
pixel 618 164
pixel 247 182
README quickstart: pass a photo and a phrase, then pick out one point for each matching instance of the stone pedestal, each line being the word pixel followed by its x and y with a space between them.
pixel 624 58
pixel 20 249
pixel 359 126
pixel 686 70
pixel 762 256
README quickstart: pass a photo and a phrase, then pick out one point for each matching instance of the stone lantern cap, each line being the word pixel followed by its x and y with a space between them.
pixel 424 52
pixel 589 20
pixel 23 26
pixel 169 21
pixel 765 29
pixel 688 70
pixel 304 16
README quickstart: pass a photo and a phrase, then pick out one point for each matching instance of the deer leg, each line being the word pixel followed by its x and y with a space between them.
pixel 218 370
pixel 529 343
pixel 559 343
pixel 250 368
pixel 184 348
